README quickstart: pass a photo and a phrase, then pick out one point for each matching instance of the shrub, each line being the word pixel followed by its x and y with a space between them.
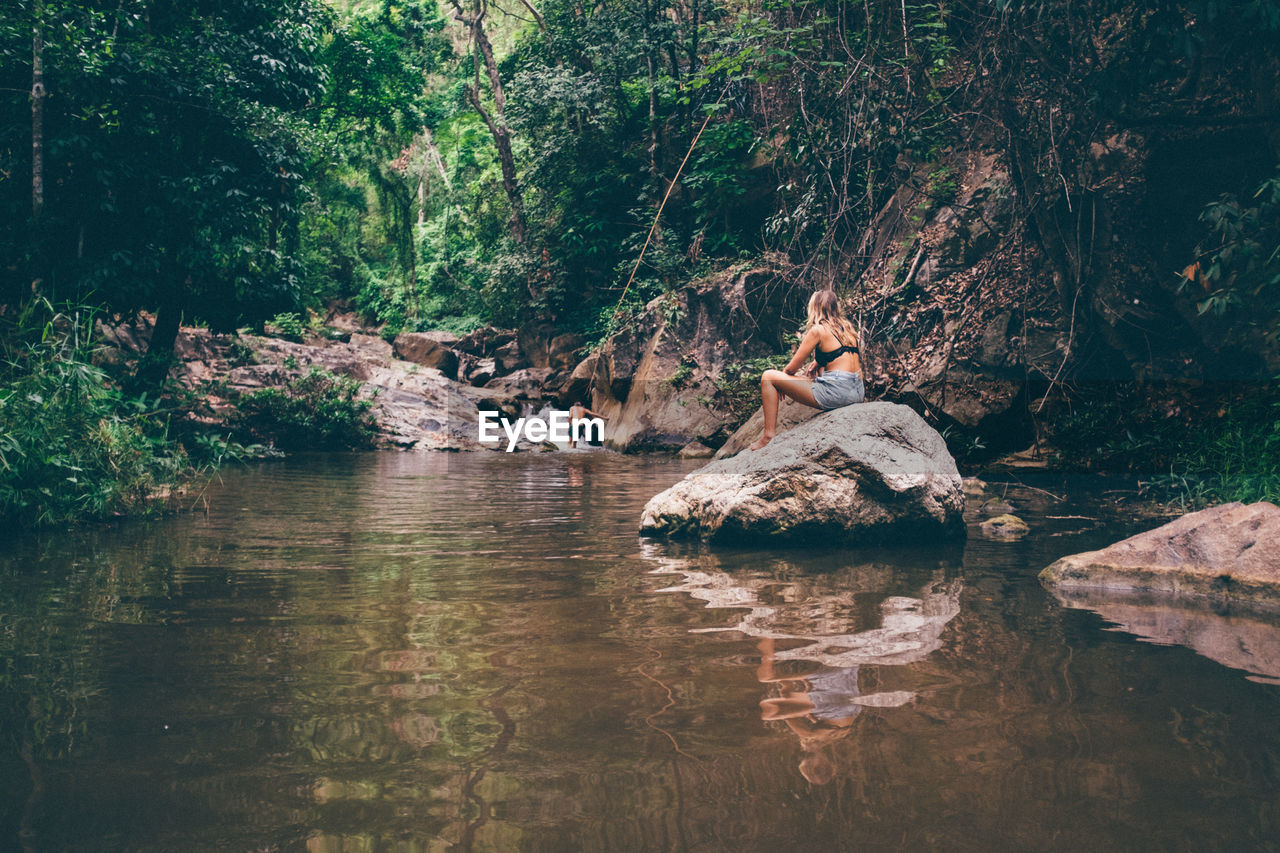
pixel 738 388
pixel 72 446
pixel 315 411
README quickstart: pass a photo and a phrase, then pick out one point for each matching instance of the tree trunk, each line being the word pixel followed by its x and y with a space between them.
pixel 153 367
pixel 497 120
pixel 37 114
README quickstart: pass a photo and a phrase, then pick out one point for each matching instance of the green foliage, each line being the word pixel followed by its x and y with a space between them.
pixel 315 411
pixel 240 354
pixel 287 325
pixel 1210 448
pixel 175 145
pixel 738 389
pixel 1240 259
pixel 210 450
pixel 943 186
pixel 1234 458
pixel 72 446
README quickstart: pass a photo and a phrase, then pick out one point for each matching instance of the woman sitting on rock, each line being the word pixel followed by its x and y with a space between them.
pixel 834 380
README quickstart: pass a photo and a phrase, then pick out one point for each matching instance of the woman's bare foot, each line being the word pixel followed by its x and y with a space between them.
pixel 764 439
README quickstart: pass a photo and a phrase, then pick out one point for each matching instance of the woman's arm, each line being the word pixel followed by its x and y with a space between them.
pixel 807 343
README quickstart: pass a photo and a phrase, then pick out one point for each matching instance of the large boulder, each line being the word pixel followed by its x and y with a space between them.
pixel 1227 552
pixel 429 349
pixel 790 413
pixel 872 472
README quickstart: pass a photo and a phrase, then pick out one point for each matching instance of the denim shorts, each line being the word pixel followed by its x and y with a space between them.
pixel 836 388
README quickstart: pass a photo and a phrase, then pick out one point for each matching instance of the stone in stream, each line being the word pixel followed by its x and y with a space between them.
pixel 1004 527
pixel 1227 552
pixel 872 472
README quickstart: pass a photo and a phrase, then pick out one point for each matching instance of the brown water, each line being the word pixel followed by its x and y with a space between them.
pixel 477 652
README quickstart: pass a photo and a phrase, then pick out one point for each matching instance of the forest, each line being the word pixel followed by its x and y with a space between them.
pixel 451 166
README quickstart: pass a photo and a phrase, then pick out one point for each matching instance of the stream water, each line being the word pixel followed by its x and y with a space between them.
pixel 477 652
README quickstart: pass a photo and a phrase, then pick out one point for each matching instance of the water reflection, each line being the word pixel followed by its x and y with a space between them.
pixel 466 652
pixel 832 620
pixel 1235 637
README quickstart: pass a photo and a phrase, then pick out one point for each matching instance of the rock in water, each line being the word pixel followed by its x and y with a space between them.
pixel 1225 552
pixel 1006 527
pixel 871 472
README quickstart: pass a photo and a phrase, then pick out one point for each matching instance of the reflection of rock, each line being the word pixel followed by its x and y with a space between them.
pixel 1228 552
pixel 864 473
pixel 910 627
pixel 1246 641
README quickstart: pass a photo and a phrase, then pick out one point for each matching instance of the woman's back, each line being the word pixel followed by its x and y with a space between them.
pixel 845 353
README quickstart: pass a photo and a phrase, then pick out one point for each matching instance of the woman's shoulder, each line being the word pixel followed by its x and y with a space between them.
pixel 823 330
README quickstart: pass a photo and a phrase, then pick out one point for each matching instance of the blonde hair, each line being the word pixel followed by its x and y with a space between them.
pixel 824 307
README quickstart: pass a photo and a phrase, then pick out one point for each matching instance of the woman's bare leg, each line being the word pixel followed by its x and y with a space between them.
pixel 773 384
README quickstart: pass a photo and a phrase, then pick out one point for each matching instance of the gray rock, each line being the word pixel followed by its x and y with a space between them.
pixel 478 371
pixel 790 413
pixel 873 472
pixel 484 341
pixel 371 346
pixel 656 378
pixel 526 384
pixel 562 352
pixel 1227 552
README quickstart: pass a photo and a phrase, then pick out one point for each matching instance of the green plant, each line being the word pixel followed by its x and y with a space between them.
pixel 1239 260
pixel 738 388
pixel 943 186
pixel 316 411
pixel 290 362
pixel 288 325
pixel 240 354
pixel 212 450
pixel 72 446
pixel 681 374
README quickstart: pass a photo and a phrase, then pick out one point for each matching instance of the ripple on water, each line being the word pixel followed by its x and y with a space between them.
pixel 370 651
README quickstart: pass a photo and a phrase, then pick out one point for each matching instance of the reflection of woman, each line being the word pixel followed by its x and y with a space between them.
pixel 819 708
pixel 834 380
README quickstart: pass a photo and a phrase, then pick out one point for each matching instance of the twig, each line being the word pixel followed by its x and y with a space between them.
pixel 1032 488
pixel 657 217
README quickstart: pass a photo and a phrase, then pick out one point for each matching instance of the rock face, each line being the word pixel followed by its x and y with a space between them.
pixel 655 380
pixel 1227 552
pixel 873 472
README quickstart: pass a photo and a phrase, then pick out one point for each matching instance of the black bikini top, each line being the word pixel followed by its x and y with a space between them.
pixel 825 358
